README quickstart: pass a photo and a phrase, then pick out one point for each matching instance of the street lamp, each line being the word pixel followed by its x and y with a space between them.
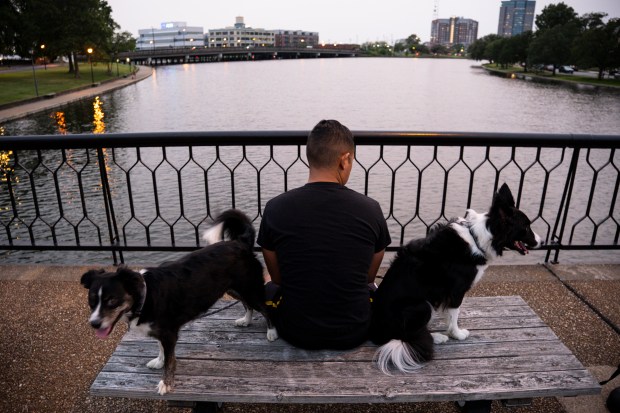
pixel 44 59
pixel 90 59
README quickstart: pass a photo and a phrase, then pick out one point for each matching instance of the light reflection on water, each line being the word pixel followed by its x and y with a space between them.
pixel 365 94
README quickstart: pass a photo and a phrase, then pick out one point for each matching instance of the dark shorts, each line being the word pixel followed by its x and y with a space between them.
pixel 301 337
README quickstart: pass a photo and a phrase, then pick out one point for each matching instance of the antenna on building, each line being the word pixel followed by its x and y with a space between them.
pixel 436 10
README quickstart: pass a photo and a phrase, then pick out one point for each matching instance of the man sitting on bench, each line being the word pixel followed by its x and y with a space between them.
pixel 323 244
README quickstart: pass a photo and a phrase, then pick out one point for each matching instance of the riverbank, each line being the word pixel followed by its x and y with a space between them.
pixel 574 80
pixel 49 355
pixel 29 107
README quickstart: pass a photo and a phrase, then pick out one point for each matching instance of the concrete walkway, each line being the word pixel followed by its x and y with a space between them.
pixel 49 356
pixel 60 99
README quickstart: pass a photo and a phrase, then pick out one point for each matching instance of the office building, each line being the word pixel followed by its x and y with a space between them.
pixel 170 35
pixel 455 30
pixel 515 17
pixel 240 36
pixel 296 38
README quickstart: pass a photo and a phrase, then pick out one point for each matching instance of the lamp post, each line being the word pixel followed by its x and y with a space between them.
pixel 44 59
pixel 90 59
pixel 34 76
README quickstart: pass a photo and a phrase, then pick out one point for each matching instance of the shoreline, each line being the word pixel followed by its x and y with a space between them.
pixel 533 77
pixel 16 110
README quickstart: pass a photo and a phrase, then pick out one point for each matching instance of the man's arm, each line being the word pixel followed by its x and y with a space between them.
pixel 271 261
pixel 374 266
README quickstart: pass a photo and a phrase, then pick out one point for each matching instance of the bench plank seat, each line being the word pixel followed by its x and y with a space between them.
pixel 510 354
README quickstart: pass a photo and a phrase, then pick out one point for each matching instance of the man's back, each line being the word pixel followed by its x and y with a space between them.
pixel 325 236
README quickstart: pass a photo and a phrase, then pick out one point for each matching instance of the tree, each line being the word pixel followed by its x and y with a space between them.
pixel 477 50
pixel 558 26
pixel 8 26
pixel 599 43
pixel 555 15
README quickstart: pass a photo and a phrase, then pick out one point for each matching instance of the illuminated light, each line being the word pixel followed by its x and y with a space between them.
pixel 513 76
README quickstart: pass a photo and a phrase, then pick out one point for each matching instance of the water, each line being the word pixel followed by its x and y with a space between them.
pixel 364 94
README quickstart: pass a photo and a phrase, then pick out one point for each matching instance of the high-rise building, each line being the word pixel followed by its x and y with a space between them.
pixel 515 17
pixel 455 30
pixel 170 34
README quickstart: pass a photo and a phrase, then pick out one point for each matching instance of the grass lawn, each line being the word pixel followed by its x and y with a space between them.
pixel 19 85
pixel 575 78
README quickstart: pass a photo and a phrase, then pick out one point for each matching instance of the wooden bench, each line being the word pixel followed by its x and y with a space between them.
pixel 510 355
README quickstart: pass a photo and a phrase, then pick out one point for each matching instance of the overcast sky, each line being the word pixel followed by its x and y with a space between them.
pixel 342 21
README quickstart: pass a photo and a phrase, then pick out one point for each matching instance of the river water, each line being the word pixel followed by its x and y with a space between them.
pixel 363 93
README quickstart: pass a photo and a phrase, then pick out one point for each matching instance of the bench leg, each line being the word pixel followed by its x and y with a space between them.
pixel 207 407
pixel 475 406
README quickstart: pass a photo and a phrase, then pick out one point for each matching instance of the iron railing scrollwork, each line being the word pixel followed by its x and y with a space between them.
pixel 157 191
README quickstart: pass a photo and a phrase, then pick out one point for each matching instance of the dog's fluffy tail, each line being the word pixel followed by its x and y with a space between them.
pixel 404 356
pixel 231 225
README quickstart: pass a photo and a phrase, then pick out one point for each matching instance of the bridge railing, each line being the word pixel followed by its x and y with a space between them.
pixel 158 191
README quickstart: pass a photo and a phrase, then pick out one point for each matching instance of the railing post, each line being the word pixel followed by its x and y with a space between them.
pixel 109 206
pixel 564 205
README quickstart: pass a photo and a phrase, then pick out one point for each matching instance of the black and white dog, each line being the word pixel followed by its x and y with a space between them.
pixel 434 273
pixel 158 301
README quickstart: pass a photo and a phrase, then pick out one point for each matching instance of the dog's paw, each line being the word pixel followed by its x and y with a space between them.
pixel 156 364
pixel 272 334
pixel 242 322
pixel 163 388
pixel 439 338
pixel 459 334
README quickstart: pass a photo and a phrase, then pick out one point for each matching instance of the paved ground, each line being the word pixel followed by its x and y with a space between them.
pixel 49 356
pixel 41 104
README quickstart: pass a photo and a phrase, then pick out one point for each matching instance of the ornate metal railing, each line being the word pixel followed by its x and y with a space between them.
pixel 158 191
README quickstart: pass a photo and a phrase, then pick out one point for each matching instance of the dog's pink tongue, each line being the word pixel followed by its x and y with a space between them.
pixel 103 333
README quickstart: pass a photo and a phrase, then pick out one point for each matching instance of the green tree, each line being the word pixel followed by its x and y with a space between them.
pixel 599 43
pixel 558 26
pixel 477 50
pixel 555 15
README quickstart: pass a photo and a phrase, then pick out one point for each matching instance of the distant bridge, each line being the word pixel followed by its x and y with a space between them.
pixel 180 55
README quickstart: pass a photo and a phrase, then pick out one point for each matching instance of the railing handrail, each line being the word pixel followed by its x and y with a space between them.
pixel 236 138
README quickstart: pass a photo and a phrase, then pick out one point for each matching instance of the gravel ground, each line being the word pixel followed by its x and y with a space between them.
pixel 49 355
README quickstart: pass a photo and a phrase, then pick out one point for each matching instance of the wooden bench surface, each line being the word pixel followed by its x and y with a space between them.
pixel 509 354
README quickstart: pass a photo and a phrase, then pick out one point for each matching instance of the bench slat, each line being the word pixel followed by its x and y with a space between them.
pixel 379 389
pixel 267 351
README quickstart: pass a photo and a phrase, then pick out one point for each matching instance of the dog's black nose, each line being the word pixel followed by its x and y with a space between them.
pixel 95 324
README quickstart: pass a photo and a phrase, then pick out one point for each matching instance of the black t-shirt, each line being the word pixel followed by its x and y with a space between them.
pixel 325 236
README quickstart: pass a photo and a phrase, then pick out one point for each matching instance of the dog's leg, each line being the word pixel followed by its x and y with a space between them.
pixel 439 338
pixel 158 362
pixel 247 318
pixel 452 318
pixel 168 343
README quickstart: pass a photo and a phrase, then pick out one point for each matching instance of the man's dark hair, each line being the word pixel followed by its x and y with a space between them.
pixel 326 142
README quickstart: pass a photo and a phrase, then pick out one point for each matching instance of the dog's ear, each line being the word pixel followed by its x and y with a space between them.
pixel 131 280
pixel 87 277
pixel 503 202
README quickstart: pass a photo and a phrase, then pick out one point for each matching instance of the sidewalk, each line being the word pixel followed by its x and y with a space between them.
pixel 27 109
pixel 49 356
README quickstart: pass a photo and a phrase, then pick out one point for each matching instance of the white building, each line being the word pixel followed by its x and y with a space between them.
pixel 240 36
pixel 170 35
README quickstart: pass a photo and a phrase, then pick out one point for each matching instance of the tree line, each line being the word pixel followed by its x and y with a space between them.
pixel 50 28
pixel 562 38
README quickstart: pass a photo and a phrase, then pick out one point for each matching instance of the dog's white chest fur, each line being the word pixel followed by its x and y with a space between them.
pixel 143 329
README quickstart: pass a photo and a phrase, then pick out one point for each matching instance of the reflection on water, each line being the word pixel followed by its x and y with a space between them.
pixel 59 118
pixel 98 116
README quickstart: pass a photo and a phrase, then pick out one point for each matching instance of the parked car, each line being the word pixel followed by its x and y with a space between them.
pixel 566 69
